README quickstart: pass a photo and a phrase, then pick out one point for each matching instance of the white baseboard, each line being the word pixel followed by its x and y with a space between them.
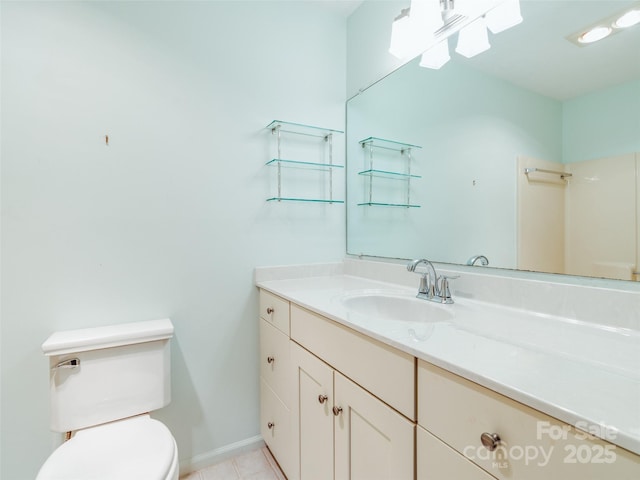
pixel 203 460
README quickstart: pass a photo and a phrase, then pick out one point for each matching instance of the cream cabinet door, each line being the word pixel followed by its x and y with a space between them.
pixel 372 441
pixel 312 416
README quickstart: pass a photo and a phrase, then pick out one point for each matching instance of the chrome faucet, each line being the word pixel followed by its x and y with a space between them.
pixel 432 287
pixel 484 261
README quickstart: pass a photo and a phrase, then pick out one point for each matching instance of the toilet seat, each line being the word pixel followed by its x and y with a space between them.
pixel 135 448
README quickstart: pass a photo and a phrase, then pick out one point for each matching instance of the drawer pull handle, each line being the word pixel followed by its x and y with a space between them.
pixel 270 310
pixel 490 440
pixel 270 359
pixel 270 425
pixel 337 411
pixel 322 398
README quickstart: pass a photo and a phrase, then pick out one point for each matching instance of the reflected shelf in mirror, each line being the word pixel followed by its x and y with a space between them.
pixel 380 204
pixel 387 144
pixel 404 160
pixel 387 174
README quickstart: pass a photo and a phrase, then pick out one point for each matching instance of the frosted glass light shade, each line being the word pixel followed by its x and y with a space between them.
pixel 426 15
pixel 400 45
pixel 504 16
pixel 412 31
pixel 474 8
pixel 473 39
pixel 436 56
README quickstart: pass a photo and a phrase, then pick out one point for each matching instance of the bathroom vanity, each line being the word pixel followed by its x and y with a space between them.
pixel 361 380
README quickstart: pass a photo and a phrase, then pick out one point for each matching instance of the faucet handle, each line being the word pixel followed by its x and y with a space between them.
pixel 445 292
pixel 424 284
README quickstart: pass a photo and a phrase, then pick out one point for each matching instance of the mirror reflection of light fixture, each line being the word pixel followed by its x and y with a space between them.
pixel 425 26
pixel 436 56
pixel 412 32
pixel 401 35
pixel 504 16
pixel 473 39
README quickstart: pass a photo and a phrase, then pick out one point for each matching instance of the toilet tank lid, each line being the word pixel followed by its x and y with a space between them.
pixel 81 340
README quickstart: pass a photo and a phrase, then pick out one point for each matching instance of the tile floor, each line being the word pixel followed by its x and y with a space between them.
pixel 253 465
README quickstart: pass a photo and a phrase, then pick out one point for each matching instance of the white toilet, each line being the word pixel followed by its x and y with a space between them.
pixel 103 383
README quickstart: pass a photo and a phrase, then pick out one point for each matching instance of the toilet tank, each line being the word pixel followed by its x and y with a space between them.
pixel 102 374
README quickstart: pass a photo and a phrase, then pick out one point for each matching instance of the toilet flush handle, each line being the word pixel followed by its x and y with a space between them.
pixel 70 363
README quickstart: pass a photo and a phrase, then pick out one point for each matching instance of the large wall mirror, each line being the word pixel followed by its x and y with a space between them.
pixel 527 154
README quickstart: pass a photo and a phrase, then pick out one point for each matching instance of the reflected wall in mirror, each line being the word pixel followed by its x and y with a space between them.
pixel 533 101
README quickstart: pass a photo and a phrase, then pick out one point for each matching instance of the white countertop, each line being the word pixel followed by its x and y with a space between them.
pixel 584 374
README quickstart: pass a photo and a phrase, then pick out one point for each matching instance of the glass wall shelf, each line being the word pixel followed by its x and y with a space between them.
pixel 298 163
pixel 377 204
pixel 311 200
pixel 299 183
pixel 301 129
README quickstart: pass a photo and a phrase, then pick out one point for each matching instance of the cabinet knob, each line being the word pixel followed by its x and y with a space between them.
pixel 270 359
pixel 270 425
pixel 337 411
pixel 322 398
pixel 490 440
pixel 270 310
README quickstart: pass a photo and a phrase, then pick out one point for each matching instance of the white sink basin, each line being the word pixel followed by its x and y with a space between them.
pixel 400 307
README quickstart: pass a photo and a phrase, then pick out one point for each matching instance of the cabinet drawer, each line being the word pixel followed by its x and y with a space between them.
pixel 275 364
pixel 437 461
pixel 275 427
pixel 274 310
pixel 533 445
pixel 382 370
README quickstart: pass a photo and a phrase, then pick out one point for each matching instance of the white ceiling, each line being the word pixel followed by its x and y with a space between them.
pixel 343 7
pixel 537 55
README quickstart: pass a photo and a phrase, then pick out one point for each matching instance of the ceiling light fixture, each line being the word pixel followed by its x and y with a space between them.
pixel 628 19
pixel 606 27
pixel 426 25
pixel 595 34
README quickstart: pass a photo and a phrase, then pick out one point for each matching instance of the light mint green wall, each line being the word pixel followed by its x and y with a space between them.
pixel 368 36
pixel 171 218
pixel 602 124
